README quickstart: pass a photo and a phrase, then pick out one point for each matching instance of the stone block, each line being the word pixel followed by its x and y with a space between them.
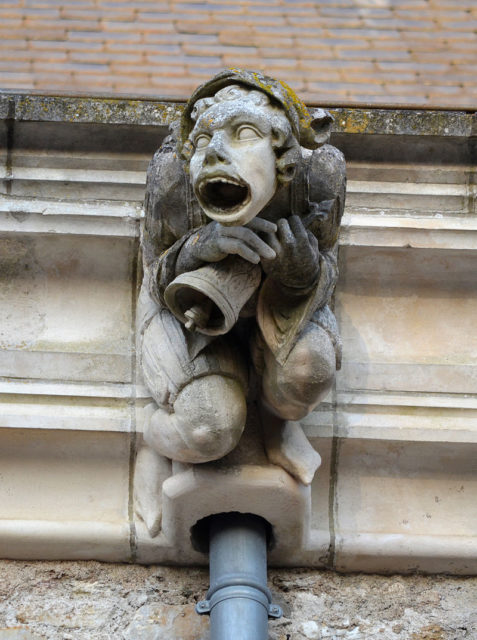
pixel 63 475
pixel 42 330
pixel 267 491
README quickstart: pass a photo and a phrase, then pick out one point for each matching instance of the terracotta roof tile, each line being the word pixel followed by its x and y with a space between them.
pixel 422 52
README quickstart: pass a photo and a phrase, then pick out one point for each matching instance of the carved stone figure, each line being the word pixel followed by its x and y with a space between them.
pixel 243 206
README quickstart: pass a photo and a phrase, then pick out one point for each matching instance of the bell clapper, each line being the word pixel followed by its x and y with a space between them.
pixel 197 316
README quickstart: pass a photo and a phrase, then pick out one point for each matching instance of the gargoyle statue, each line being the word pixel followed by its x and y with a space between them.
pixel 243 206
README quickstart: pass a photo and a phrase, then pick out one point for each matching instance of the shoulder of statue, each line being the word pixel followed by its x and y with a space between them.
pixel 165 178
pixel 325 184
pixel 326 170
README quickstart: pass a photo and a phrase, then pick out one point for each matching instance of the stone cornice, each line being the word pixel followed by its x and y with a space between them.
pixel 31 106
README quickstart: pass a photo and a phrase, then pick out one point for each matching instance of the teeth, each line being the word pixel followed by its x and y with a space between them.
pixel 216 198
pixel 226 180
pixel 218 179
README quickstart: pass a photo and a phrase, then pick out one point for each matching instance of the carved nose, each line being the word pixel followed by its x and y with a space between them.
pixel 215 153
pixel 214 156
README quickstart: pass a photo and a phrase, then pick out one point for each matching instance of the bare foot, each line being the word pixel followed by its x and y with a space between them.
pixel 287 446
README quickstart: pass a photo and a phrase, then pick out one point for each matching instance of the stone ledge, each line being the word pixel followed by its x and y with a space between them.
pixel 58 540
pixel 359 228
pixel 65 108
pixel 363 552
pixel 407 553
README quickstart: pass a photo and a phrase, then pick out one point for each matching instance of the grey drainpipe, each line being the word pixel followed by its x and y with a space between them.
pixel 238 601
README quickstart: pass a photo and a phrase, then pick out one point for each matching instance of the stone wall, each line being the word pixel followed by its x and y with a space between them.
pixel 94 601
pixel 398 433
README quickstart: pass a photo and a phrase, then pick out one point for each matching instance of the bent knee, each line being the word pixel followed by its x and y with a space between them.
pixel 211 414
pixel 312 361
pixel 296 388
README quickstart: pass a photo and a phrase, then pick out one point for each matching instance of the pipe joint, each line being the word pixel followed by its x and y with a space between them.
pixel 239 579
pixel 242 591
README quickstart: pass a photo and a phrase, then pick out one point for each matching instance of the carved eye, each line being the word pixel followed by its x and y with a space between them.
pixel 202 141
pixel 247 133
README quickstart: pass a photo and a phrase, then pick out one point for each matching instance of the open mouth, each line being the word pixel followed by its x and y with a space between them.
pixel 223 193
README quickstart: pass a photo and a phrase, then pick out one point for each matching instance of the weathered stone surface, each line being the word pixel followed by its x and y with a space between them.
pixel 46 108
pixel 167 622
pixel 17 634
pixel 104 110
pixel 402 122
pixel 95 601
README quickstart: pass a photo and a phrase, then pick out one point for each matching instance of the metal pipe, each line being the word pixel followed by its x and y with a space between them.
pixel 238 601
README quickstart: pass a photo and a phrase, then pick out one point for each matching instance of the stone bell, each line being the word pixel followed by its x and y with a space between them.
pixel 209 300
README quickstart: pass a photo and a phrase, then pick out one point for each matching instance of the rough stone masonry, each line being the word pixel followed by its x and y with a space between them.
pixel 95 601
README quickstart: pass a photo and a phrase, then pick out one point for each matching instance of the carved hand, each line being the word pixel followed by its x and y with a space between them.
pixel 296 265
pixel 214 242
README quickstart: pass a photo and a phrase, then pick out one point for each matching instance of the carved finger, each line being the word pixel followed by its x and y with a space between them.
pixel 238 247
pixel 284 233
pixel 250 238
pixel 313 240
pixel 272 241
pixel 298 229
pixel 261 225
